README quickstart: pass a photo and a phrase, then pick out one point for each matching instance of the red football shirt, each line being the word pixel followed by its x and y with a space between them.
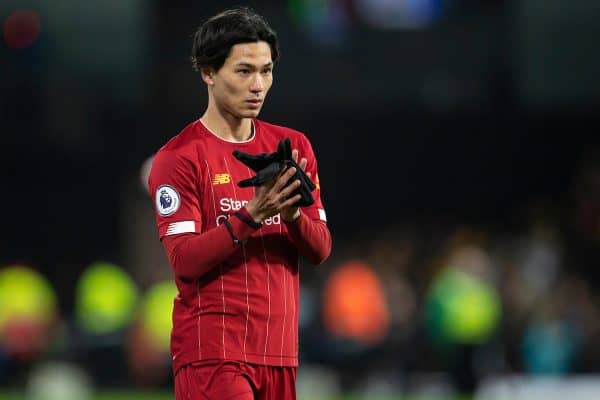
pixel 245 308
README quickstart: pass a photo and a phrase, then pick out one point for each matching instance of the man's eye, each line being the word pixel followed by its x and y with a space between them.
pixel 267 71
pixel 244 71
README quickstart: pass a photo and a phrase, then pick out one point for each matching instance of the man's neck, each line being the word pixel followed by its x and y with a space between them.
pixel 231 129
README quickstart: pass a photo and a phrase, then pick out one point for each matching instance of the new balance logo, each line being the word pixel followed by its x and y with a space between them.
pixel 221 179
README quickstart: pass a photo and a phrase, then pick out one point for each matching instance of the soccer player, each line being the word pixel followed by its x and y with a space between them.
pixel 234 251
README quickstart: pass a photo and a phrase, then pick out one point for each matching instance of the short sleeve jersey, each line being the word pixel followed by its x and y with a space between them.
pixel 246 308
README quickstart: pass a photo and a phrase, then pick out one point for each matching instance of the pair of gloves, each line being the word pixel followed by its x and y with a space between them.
pixel 269 165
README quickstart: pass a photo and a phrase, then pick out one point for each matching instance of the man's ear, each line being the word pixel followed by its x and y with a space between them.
pixel 207 75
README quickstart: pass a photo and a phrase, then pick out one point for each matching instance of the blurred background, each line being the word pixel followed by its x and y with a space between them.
pixel 460 165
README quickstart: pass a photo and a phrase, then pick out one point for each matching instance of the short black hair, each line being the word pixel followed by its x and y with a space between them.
pixel 215 38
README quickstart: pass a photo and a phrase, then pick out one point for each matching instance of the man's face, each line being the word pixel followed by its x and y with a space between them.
pixel 241 85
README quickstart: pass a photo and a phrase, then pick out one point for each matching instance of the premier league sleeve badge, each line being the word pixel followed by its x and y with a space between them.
pixel 167 200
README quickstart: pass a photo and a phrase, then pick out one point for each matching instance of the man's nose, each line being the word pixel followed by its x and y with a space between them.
pixel 257 84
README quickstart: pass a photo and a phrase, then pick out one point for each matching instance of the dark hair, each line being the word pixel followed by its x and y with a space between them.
pixel 215 38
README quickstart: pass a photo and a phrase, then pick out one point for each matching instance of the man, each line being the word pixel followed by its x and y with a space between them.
pixel 234 251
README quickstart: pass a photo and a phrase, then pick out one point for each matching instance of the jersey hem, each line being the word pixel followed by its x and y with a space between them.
pixel 259 359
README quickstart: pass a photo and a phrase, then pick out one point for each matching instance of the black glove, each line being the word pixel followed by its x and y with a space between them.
pixel 268 165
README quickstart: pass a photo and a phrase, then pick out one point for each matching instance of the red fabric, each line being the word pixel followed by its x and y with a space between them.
pixel 234 380
pixel 234 302
pixel 193 255
pixel 311 238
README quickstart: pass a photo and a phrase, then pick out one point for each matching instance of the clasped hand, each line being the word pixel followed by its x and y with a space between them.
pixel 273 197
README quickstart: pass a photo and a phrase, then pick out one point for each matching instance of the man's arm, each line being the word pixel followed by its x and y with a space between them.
pixel 191 252
pixel 193 255
pixel 307 228
pixel 311 237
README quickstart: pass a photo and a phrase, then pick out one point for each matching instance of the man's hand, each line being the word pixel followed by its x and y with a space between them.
pixel 273 197
pixel 292 212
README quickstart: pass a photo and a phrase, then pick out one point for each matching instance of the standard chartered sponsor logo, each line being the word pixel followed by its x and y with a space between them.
pixel 274 220
pixel 227 204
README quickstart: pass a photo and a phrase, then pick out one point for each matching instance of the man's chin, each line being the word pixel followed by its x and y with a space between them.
pixel 250 113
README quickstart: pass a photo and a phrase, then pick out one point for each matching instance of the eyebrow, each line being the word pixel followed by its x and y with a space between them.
pixel 245 64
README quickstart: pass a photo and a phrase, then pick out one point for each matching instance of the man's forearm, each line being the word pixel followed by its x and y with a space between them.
pixel 193 255
pixel 311 238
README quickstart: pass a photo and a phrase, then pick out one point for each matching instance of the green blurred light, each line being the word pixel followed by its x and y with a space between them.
pixel 303 11
pixel 25 295
pixel 462 309
pixel 157 308
pixel 106 298
pixel 296 9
